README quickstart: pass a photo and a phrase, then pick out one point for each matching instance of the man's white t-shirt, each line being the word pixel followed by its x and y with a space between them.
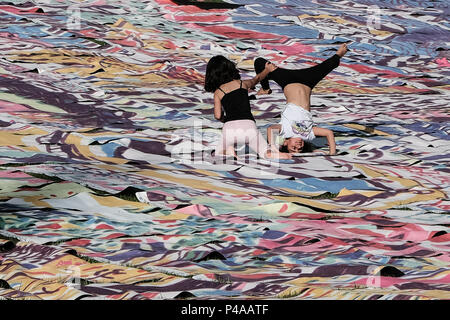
pixel 296 122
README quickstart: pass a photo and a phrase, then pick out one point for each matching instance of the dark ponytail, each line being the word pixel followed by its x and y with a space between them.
pixel 219 70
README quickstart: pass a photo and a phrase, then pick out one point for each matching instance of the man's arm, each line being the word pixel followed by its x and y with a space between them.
pixel 322 132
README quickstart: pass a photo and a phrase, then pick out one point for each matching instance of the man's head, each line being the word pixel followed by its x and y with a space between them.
pixel 293 145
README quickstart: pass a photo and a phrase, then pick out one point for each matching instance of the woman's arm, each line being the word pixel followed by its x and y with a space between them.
pixel 260 76
pixel 218 107
pixel 322 132
pixel 259 64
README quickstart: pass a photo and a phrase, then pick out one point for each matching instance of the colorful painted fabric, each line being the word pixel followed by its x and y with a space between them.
pixel 109 190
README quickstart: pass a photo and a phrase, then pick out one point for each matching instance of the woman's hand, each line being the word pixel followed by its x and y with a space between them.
pixel 270 66
pixel 250 84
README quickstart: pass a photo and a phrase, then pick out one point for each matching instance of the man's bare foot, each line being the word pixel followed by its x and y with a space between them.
pixel 342 50
pixel 262 91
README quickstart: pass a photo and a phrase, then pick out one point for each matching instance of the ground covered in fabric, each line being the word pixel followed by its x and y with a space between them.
pixel 108 189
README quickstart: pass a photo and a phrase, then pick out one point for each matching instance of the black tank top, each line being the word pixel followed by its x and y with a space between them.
pixel 236 104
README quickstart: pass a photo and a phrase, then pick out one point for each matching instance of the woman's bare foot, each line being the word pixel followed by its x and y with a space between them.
pixel 342 50
pixel 230 152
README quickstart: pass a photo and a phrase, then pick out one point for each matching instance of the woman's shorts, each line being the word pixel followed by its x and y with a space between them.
pixel 242 132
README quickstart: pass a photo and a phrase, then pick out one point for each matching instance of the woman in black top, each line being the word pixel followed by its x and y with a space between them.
pixel 232 106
